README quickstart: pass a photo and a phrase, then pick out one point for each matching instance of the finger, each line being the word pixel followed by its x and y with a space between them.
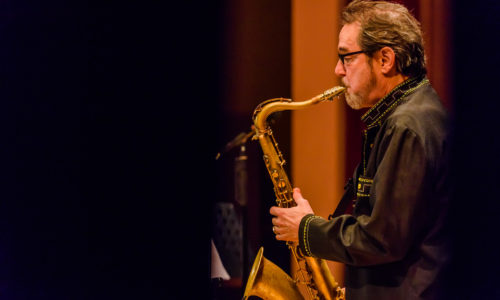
pixel 277 222
pixel 275 210
pixel 285 237
pixel 275 230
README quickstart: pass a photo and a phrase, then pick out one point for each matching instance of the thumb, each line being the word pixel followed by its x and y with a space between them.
pixel 297 196
pixel 302 203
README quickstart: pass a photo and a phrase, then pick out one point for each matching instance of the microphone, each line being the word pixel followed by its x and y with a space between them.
pixel 242 137
pixel 239 140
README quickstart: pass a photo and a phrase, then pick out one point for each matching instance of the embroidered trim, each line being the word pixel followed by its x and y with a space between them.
pixel 365 139
pixel 399 100
pixel 306 234
pixel 364 186
pixel 374 116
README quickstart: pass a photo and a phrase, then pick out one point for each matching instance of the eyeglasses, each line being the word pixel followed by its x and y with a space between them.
pixel 343 56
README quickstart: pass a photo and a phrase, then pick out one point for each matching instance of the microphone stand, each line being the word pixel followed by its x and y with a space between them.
pixel 241 197
pixel 240 192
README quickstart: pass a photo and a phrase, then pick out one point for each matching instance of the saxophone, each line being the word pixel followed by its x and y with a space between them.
pixel 266 280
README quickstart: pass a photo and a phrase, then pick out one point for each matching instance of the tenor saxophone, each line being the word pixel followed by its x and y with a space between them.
pixel 266 280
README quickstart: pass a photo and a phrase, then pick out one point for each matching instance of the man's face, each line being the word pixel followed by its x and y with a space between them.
pixel 357 71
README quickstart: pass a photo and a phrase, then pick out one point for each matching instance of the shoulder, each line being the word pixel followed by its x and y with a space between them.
pixel 420 118
pixel 421 112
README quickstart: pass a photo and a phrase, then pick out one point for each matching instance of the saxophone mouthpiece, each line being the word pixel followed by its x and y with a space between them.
pixel 333 92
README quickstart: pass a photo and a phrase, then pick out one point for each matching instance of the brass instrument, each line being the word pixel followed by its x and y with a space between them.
pixel 266 280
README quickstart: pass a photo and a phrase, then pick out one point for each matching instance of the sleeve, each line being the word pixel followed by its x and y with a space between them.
pixel 398 217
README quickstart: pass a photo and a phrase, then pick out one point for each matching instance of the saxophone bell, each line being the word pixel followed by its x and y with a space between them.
pixel 268 281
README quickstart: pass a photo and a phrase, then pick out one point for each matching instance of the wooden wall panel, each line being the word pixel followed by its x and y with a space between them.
pixel 318 133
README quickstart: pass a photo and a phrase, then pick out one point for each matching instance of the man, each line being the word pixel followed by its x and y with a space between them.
pixel 394 244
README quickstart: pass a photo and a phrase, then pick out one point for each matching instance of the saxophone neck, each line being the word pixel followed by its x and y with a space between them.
pixel 266 108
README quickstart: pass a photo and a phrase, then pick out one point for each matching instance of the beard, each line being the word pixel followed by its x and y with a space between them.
pixel 360 99
pixel 355 101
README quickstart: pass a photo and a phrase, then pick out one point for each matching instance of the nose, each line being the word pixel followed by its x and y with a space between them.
pixel 339 69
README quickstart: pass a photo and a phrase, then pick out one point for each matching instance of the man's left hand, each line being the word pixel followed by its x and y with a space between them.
pixel 286 221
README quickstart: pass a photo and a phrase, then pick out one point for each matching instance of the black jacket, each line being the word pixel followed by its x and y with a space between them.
pixel 394 244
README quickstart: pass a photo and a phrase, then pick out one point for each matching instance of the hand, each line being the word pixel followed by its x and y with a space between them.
pixel 287 220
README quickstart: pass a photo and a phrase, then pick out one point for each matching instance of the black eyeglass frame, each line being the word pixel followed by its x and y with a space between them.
pixel 342 56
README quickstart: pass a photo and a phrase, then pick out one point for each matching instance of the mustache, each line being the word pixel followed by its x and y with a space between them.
pixel 342 83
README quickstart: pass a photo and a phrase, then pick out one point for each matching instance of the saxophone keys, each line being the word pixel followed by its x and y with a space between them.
pixel 282 184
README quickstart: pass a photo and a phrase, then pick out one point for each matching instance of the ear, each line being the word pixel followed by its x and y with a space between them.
pixel 388 60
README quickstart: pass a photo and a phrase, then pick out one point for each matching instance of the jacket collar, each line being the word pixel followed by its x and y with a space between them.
pixel 380 111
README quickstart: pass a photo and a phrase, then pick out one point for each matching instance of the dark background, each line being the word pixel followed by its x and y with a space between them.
pixel 108 113
pixel 475 160
pixel 110 118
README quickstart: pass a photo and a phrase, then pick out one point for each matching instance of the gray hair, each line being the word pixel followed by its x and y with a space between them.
pixel 392 25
